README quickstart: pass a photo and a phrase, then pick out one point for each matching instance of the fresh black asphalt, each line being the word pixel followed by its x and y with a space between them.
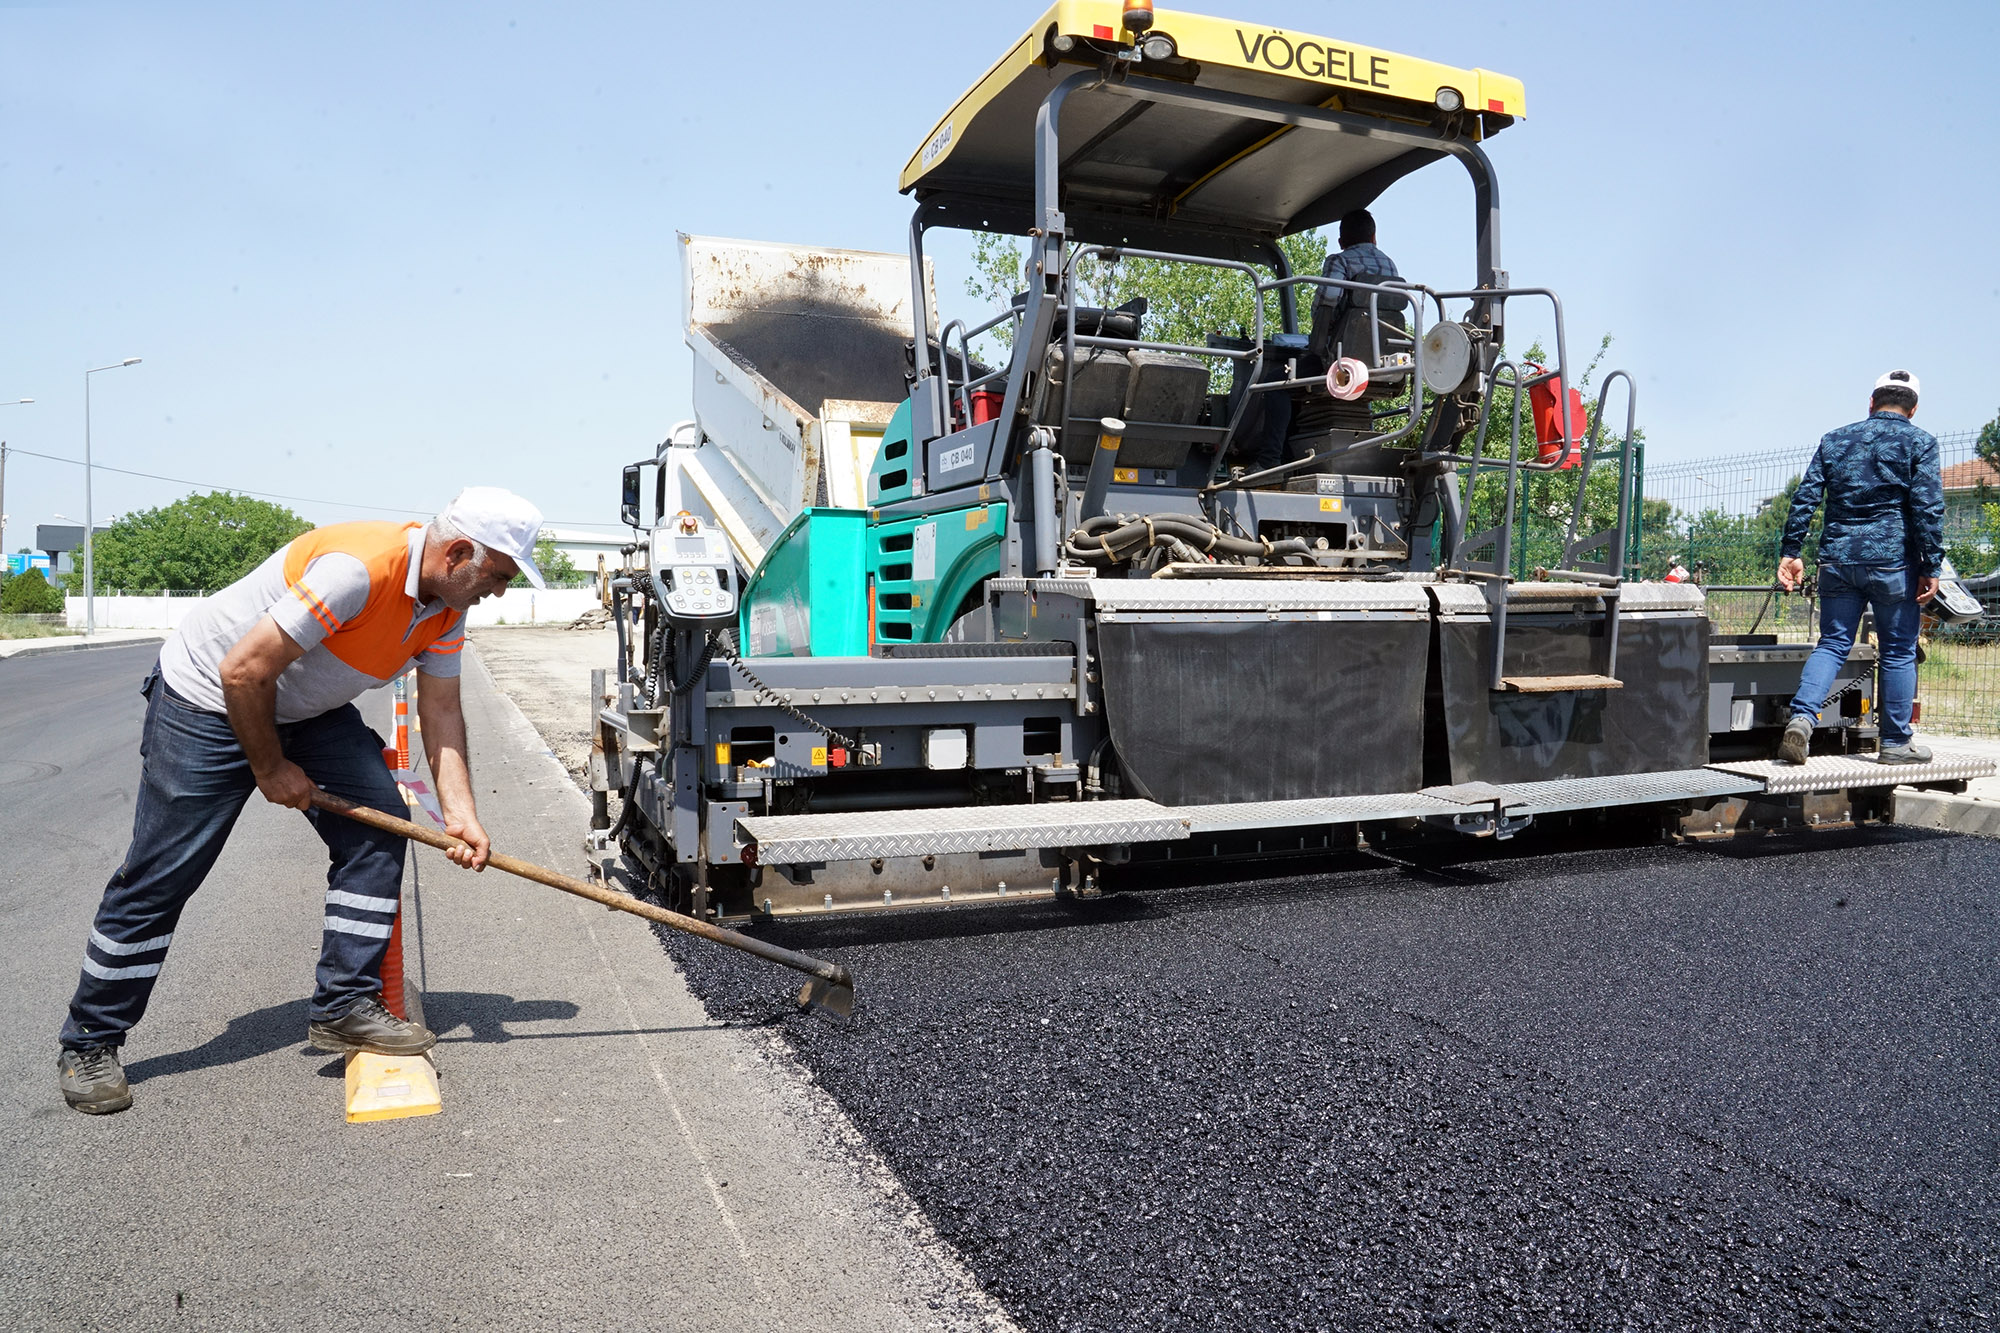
pixel 1746 1085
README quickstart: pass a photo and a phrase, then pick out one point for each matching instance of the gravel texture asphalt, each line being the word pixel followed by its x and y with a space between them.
pixel 1746 1085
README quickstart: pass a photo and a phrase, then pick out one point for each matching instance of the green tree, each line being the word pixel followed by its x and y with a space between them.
pixel 1986 448
pixel 199 542
pixel 558 570
pixel 29 594
pixel 1185 302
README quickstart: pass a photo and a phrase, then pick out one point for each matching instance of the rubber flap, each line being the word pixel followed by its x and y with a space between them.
pixel 1207 712
pixel 1656 723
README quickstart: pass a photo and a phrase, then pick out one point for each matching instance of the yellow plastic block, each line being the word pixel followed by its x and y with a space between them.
pixel 389 1087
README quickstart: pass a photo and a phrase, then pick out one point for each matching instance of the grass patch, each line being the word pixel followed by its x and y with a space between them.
pixel 34 627
pixel 1959 684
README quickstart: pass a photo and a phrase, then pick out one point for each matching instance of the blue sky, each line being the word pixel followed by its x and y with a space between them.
pixel 373 252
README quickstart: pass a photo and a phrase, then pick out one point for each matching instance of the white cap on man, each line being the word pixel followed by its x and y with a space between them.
pixel 500 520
pixel 1899 379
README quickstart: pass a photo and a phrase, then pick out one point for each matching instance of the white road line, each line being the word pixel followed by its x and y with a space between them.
pixel 673 1102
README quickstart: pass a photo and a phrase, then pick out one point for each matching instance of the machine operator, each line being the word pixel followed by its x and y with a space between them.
pixel 255 693
pixel 1359 259
pixel 1881 546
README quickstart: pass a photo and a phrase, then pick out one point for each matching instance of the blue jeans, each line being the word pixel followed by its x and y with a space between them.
pixel 1844 592
pixel 193 783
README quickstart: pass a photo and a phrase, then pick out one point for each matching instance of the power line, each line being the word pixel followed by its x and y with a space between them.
pixel 183 481
pixel 273 495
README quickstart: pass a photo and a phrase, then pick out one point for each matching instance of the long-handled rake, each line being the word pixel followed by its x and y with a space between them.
pixel 831 988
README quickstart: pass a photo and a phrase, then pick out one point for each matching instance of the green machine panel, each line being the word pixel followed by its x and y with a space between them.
pixel 810 596
pixel 893 476
pixel 924 569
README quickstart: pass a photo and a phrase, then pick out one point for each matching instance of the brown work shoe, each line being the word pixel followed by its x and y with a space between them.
pixel 370 1027
pixel 92 1081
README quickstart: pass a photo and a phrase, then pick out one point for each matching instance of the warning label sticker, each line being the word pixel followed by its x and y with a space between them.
pixel 1329 504
pixel 763 629
pixel 923 553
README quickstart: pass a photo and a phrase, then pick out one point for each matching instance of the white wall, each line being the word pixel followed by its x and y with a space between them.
pixel 161 611
pixel 527 606
pixel 516 606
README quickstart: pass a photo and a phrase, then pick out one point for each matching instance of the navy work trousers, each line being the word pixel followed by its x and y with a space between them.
pixel 1845 591
pixel 193 783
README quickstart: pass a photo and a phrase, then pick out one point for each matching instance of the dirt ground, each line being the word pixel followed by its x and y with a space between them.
pixel 546 671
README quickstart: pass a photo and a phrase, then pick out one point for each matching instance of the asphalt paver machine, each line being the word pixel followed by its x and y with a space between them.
pixel 905 629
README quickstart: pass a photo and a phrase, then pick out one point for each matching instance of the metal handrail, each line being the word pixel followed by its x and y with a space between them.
pixel 1461 559
pixel 1615 561
pixel 1526 382
pixel 1374 291
pixel 965 337
pixel 1071 339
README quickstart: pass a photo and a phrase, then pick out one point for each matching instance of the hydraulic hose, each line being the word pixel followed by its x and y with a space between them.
pixel 1113 539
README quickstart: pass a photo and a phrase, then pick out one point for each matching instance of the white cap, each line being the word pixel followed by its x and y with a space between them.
pixel 500 520
pixel 1899 379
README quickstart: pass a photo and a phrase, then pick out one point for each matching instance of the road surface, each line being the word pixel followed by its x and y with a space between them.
pixel 607 1157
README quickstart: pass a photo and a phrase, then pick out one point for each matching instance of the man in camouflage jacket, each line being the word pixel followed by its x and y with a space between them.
pixel 1881 546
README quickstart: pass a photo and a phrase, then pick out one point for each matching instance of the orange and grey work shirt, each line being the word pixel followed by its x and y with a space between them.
pixel 347 594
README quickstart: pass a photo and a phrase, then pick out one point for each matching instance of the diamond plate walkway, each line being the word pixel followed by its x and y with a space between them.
pixel 865 835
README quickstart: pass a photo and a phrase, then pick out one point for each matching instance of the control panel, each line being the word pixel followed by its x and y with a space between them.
pixel 695 573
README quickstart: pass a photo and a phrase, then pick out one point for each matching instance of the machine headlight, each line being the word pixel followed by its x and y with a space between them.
pixel 1159 46
pixel 1450 99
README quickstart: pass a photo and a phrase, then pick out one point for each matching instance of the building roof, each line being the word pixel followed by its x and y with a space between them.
pixel 578 537
pixel 1973 472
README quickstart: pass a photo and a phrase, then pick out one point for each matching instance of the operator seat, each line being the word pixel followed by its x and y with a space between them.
pixel 1341 327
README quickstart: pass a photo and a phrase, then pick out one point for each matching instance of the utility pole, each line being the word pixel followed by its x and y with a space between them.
pixel 89 568
pixel 3 481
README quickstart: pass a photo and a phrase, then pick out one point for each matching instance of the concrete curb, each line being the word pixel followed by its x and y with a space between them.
pixel 1945 812
pixel 77 644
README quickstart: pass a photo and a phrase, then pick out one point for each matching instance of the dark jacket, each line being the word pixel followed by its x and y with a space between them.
pixel 1884 497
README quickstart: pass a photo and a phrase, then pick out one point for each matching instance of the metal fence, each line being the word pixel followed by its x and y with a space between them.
pixel 1721 519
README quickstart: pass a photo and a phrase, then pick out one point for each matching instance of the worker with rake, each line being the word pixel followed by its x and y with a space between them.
pixel 255 693
pixel 1881 546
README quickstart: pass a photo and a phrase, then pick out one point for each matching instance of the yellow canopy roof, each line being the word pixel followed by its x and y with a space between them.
pixel 1157 167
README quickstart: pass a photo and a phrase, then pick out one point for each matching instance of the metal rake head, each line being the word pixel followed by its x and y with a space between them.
pixel 828 996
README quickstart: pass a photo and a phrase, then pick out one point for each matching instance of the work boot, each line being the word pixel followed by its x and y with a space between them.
pixel 91 1080
pixel 1798 738
pixel 1909 752
pixel 370 1027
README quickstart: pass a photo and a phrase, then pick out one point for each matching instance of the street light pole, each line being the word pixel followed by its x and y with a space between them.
pixel 3 482
pixel 89 568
